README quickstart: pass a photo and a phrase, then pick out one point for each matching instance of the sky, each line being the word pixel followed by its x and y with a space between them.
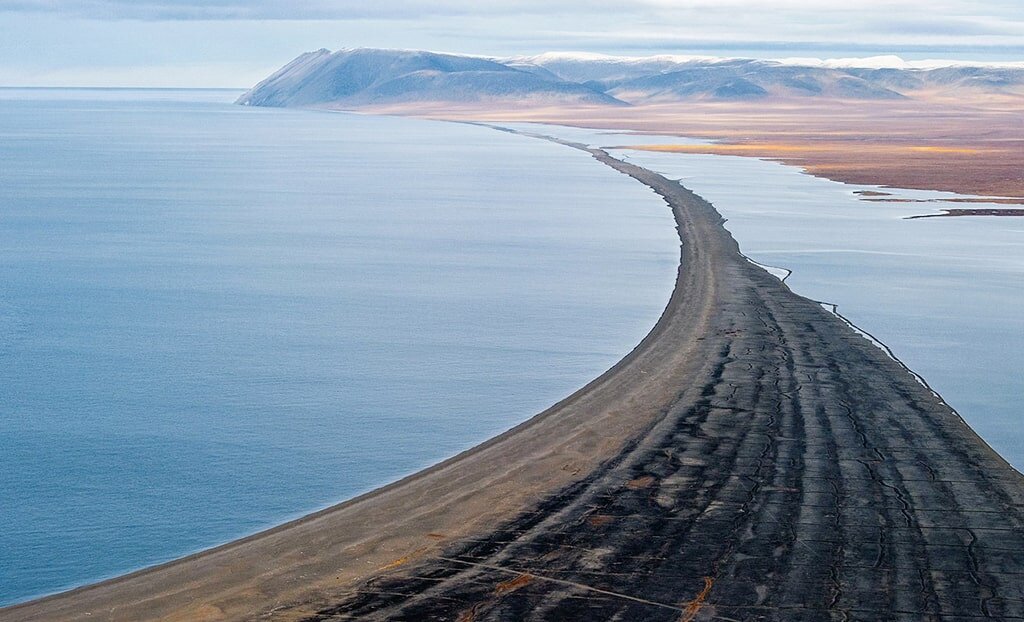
pixel 234 43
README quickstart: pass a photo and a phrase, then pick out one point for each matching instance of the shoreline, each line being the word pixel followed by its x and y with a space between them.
pixel 53 605
pixel 318 567
pixel 916 144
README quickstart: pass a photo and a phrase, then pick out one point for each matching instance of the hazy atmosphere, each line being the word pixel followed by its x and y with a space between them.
pixel 231 43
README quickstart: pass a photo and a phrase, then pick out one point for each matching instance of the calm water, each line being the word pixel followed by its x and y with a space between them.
pixel 215 318
pixel 945 294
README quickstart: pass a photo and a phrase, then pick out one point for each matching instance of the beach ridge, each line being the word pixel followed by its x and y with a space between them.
pixel 752 456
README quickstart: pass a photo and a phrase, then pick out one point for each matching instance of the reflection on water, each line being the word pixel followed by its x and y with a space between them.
pixel 214 318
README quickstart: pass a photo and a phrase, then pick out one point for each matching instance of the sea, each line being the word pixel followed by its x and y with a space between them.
pixel 215 318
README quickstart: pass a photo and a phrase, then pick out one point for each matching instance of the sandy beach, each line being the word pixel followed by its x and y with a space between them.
pixel 754 458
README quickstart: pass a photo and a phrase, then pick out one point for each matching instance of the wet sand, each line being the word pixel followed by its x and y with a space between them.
pixel 754 458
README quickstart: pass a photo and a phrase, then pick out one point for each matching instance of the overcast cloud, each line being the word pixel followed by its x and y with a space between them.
pixel 233 43
pixel 406 9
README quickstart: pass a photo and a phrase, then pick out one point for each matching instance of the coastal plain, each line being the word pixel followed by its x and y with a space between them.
pixel 970 147
pixel 941 126
pixel 754 458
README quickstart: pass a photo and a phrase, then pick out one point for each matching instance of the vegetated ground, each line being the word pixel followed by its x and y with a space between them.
pixel 926 143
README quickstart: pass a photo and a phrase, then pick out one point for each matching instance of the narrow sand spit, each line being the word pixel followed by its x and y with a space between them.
pixel 752 459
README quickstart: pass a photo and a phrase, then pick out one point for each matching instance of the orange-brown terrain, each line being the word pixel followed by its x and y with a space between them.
pixel 928 143
pixel 953 126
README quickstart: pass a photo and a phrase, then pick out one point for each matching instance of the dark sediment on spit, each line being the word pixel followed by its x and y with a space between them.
pixel 754 458
pixel 972 212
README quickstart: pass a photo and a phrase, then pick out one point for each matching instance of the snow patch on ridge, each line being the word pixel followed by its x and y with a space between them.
pixel 891 61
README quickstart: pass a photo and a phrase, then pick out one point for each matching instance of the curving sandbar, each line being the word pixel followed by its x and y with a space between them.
pixel 754 458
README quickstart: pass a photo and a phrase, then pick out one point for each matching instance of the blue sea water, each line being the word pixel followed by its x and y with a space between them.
pixel 216 318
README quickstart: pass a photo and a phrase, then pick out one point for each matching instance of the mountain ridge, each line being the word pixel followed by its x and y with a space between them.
pixel 362 77
pixel 367 76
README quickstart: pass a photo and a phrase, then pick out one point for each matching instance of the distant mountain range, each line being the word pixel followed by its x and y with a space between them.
pixel 366 77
